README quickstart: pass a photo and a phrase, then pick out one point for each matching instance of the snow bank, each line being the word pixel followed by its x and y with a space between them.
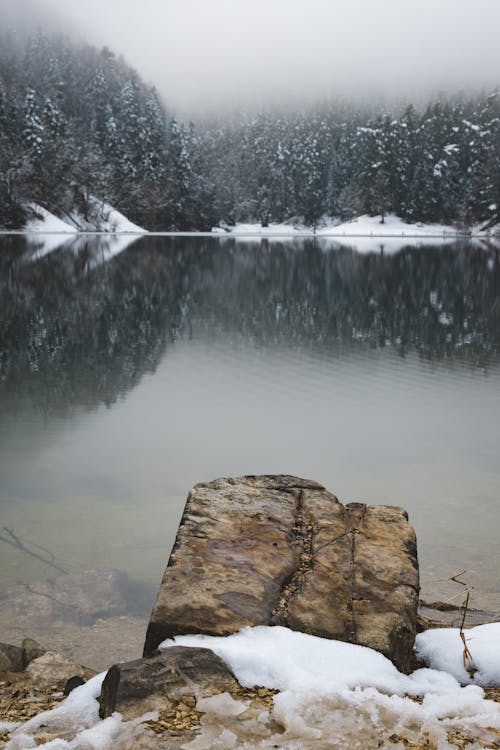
pixel 102 217
pixel 393 226
pixel 43 221
pixel 362 226
pixel 279 658
pixel 442 649
pixel 284 659
pixel 333 694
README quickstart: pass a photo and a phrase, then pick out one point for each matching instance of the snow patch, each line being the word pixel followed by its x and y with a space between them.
pixel 43 221
pixel 369 226
pixel 284 659
pixel 392 226
pixel 442 649
pixel 102 217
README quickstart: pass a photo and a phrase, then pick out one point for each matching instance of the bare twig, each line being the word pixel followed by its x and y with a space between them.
pixel 11 538
pixel 466 654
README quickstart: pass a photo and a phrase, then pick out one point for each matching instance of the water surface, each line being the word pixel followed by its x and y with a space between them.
pixel 129 373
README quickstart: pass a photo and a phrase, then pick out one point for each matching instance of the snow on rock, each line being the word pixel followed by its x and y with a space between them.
pixel 443 649
pixel 43 221
pixel 284 659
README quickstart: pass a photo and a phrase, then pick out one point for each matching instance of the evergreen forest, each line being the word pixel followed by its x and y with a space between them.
pixel 77 122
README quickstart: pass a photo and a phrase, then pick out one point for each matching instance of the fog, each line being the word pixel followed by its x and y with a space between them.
pixel 211 53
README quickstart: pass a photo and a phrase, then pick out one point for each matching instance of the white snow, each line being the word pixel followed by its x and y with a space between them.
pixel 442 649
pixel 393 226
pixel 104 218
pixel 362 226
pixel 80 711
pixel 280 658
pixel 332 694
pixel 365 234
pixel 43 221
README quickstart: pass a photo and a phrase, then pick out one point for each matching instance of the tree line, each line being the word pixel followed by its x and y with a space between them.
pixel 77 122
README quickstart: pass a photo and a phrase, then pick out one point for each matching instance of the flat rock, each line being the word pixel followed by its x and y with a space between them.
pixel 279 550
pixel 137 687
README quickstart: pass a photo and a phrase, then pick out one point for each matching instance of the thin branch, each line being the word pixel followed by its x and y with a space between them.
pixel 15 542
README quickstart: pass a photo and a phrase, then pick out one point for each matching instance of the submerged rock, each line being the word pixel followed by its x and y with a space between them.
pixel 177 673
pixel 279 550
pixel 81 598
pixel 11 658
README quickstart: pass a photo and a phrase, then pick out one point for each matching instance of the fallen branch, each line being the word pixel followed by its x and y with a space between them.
pixel 11 538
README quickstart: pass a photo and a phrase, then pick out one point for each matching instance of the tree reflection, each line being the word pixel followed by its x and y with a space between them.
pixel 80 325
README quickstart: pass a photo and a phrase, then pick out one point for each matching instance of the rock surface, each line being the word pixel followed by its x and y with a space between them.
pixel 31 650
pixel 279 550
pixel 53 670
pixel 143 685
pixel 11 658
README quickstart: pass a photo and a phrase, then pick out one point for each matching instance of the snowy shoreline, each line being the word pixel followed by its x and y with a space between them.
pixel 328 692
pixel 109 221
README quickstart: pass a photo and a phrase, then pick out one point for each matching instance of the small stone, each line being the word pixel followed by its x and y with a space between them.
pixel 53 670
pixel 11 658
pixel 73 683
pixel 31 650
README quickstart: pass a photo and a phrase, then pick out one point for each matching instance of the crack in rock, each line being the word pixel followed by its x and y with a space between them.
pixel 303 531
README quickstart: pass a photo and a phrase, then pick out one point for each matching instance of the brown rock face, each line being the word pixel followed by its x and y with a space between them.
pixel 143 685
pixel 278 550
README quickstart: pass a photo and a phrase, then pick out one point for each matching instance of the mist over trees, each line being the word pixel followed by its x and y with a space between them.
pixel 77 122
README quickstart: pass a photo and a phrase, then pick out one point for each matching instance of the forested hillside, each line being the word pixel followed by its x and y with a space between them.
pixel 77 122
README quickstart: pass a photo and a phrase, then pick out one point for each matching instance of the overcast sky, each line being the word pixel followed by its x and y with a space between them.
pixel 203 53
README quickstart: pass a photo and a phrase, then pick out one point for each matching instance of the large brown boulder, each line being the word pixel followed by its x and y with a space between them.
pixel 279 550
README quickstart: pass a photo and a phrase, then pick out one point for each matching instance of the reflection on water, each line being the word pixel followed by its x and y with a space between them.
pixel 130 369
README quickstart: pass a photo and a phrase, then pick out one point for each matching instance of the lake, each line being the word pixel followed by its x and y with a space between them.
pixel 130 369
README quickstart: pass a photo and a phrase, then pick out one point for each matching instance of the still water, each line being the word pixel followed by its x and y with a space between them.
pixel 132 369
